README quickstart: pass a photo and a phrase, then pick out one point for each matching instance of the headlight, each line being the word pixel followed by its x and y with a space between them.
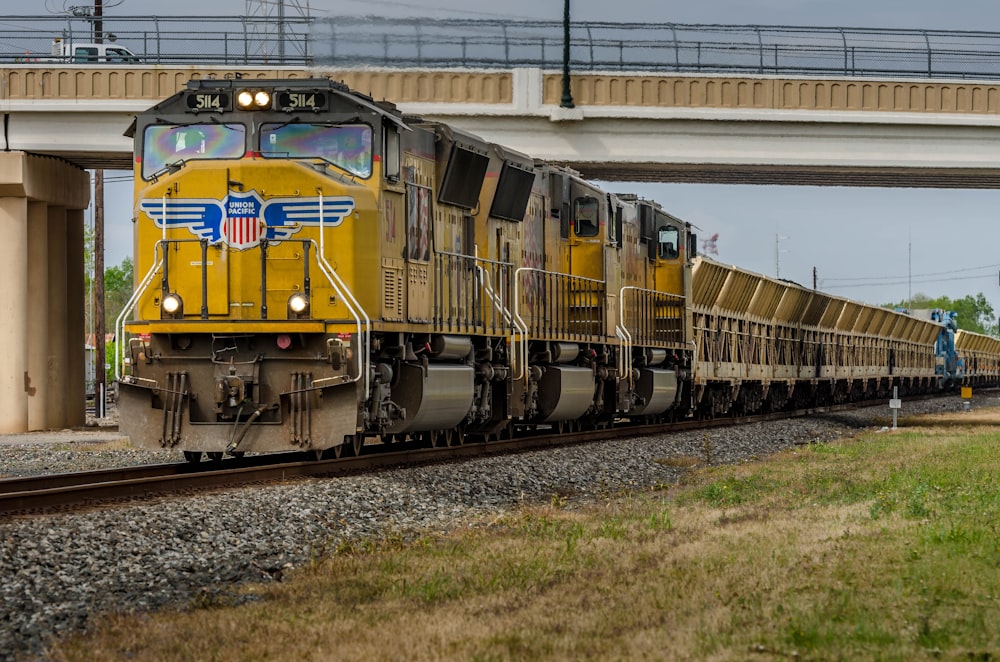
pixel 171 306
pixel 298 305
pixel 253 99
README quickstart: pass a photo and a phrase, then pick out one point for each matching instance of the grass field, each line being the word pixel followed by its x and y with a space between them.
pixel 883 547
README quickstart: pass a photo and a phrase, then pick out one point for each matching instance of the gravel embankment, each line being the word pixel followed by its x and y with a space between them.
pixel 58 570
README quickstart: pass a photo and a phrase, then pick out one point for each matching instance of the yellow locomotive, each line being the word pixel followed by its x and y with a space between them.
pixel 315 270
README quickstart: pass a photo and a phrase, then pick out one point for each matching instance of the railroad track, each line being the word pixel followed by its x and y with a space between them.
pixel 70 491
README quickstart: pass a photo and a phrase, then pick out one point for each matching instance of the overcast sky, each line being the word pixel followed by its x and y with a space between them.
pixel 876 245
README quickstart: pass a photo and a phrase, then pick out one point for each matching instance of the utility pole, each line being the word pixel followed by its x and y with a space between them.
pixel 99 327
pixel 99 331
pixel 98 21
pixel 567 95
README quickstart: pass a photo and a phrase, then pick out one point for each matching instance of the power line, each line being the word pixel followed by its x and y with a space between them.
pixel 904 281
pixel 868 279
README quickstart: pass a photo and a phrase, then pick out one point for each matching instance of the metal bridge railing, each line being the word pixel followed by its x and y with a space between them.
pixel 239 40
pixel 657 47
pixel 594 46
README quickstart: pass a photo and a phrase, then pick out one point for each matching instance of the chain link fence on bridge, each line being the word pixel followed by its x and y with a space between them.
pixel 227 40
pixel 594 46
pixel 658 47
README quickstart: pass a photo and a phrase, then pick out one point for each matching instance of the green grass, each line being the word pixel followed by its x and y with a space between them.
pixel 881 547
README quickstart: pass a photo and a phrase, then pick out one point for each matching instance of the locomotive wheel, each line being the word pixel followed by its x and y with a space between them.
pixel 192 456
pixel 215 456
pixel 357 443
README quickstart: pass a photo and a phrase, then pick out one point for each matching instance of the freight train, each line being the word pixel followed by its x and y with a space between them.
pixel 317 271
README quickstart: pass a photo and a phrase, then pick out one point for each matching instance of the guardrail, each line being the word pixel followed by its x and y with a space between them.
pixel 347 41
pixel 240 40
pixel 658 47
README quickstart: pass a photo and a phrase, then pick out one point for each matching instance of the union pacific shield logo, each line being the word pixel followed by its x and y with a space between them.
pixel 242 228
pixel 242 220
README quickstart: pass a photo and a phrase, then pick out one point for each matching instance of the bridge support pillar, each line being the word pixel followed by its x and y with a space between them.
pixel 41 301
pixel 55 379
pixel 14 377
pixel 38 317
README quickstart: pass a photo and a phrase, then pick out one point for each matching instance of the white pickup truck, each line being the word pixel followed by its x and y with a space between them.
pixel 76 52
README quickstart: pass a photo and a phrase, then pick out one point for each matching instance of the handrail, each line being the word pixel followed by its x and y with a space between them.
pixel 484 279
pixel 524 327
pixel 364 355
pixel 621 330
pixel 130 306
pixel 357 312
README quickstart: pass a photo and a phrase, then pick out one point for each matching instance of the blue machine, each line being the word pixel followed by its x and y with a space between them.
pixel 949 368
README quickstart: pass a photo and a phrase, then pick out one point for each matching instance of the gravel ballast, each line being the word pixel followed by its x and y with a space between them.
pixel 61 569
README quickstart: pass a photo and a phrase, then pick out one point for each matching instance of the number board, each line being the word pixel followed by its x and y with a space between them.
pixel 217 102
pixel 305 100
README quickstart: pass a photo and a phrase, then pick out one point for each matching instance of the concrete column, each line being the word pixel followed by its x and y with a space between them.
pixel 36 368
pixel 36 383
pixel 76 377
pixel 13 314
pixel 58 318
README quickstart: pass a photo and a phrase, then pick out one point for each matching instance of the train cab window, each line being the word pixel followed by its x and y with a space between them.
pixel 164 145
pixel 667 237
pixel 391 163
pixel 615 228
pixel 348 147
pixel 585 216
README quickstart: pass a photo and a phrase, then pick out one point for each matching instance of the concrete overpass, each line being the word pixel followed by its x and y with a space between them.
pixel 636 127
pixel 57 121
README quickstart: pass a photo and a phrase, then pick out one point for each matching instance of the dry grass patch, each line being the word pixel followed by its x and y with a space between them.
pixel 679 461
pixel 881 547
pixel 113 445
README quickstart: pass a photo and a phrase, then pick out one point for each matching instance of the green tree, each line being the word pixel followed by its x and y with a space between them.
pixel 117 284
pixel 974 312
pixel 117 291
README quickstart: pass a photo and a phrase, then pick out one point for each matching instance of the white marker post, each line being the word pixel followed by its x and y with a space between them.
pixel 895 405
pixel 967 397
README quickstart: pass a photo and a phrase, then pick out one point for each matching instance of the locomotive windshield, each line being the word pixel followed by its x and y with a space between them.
pixel 165 145
pixel 348 147
pixel 667 238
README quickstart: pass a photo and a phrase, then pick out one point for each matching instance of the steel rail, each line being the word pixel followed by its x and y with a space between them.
pixel 71 491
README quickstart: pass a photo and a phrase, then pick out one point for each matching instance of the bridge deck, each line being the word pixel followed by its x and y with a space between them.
pixel 639 126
